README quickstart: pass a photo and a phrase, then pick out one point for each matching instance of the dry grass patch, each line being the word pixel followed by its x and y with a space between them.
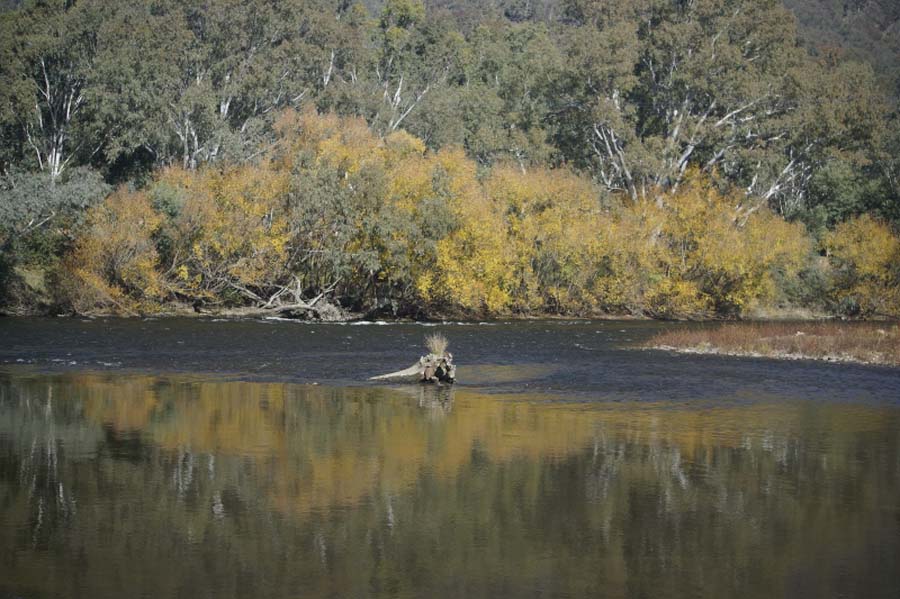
pixel 437 344
pixel 869 343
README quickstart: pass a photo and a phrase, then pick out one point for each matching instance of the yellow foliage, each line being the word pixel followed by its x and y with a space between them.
pixel 731 260
pixel 689 255
pixel 866 257
pixel 340 142
pixel 401 144
pixel 553 219
pixel 409 181
pixel 114 264
pixel 539 241
pixel 473 261
pixel 386 219
pixel 352 147
pixel 232 230
pixel 306 130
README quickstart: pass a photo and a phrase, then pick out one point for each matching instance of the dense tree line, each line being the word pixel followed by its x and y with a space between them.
pixel 492 129
pixel 866 30
pixel 383 225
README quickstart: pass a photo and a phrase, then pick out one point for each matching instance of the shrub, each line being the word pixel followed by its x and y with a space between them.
pixel 114 265
pixel 865 256
pixel 387 225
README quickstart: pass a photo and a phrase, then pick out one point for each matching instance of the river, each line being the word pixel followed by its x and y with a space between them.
pixel 207 458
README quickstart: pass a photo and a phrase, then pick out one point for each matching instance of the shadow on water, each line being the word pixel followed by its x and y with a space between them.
pixel 135 485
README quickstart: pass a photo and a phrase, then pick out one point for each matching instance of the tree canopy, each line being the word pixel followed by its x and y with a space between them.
pixel 623 106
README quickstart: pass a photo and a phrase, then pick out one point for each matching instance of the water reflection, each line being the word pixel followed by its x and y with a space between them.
pixel 134 485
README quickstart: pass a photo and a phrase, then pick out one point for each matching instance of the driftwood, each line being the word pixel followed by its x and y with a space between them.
pixel 429 369
pixel 317 307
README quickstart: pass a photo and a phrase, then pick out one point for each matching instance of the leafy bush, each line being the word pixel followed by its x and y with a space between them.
pixel 38 220
pixel 865 255
pixel 114 266
pixel 386 225
pixel 32 203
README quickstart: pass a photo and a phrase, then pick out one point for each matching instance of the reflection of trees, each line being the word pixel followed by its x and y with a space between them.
pixel 33 438
pixel 365 491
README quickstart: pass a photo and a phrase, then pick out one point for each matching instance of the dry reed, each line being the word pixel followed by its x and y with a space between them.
pixel 870 343
pixel 437 344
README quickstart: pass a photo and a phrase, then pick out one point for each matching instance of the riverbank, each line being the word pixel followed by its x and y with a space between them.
pixel 32 297
pixel 862 343
pixel 329 313
pixel 333 313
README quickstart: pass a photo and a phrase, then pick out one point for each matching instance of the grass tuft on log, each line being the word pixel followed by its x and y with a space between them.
pixel 437 344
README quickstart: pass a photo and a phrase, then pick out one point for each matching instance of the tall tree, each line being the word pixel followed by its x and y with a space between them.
pixel 195 81
pixel 659 85
pixel 47 49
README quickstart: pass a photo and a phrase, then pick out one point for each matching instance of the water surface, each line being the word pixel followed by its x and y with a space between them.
pixel 592 360
pixel 209 459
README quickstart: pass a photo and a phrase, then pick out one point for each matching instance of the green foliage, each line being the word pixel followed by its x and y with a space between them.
pixel 514 140
pixel 38 218
pixel 33 202
pixel 47 50
pixel 864 30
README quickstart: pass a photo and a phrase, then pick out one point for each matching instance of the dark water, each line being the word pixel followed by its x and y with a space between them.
pixel 215 459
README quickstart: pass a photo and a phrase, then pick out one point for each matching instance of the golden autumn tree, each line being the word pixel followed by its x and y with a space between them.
pixel 553 221
pixel 388 227
pixel 730 261
pixel 114 265
pixel 229 235
pixel 347 233
pixel 365 212
pixel 631 273
pixel 690 255
pixel 420 191
pixel 474 262
pixel 865 255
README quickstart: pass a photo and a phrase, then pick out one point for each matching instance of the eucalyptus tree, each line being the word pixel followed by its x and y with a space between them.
pixel 889 165
pixel 518 64
pixel 495 104
pixel 656 86
pixel 412 57
pixel 393 64
pixel 47 49
pixel 191 82
pixel 687 81
pixel 838 125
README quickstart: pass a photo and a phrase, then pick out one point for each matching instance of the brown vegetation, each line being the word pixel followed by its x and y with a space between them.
pixel 870 343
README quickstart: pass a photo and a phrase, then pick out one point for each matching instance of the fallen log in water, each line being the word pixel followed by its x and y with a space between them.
pixel 429 369
pixel 435 367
